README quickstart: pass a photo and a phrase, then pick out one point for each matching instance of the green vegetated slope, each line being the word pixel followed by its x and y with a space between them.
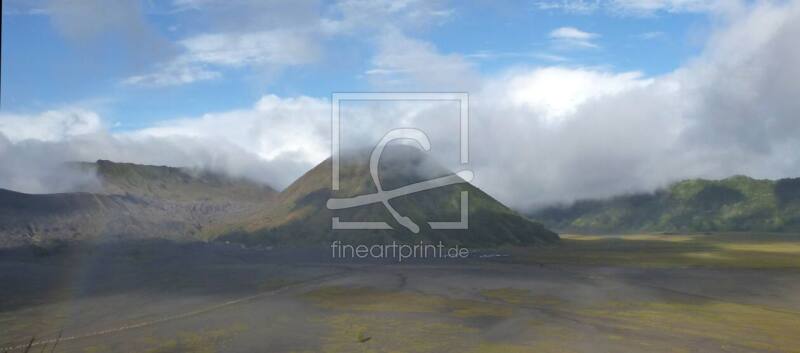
pixel 138 201
pixel 177 184
pixel 133 201
pixel 738 203
pixel 301 214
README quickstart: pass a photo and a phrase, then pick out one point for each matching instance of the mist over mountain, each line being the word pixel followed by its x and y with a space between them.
pixel 737 203
pixel 130 201
pixel 588 129
pixel 301 214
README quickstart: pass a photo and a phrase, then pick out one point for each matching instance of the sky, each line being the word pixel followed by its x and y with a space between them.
pixel 569 99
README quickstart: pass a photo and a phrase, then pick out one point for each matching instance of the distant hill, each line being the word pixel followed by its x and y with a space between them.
pixel 738 203
pixel 301 214
pixel 139 201
pixel 135 201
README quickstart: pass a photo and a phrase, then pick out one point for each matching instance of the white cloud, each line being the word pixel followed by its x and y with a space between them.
pixel 173 74
pixel 729 111
pixel 573 37
pixel 78 20
pixel 26 167
pixel 650 35
pixel 274 35
pixel 52 125
pixel 539 134
pixel 555 93
pixel 493 55
pixel 550 134
pixel 631 7
pixel 276 47
pixel 571 33
pixel 350 16
pixel 202 53
pixel 274 142
pixel 184 5
pixel 273 128
pixel 648 7
pixel 570 6
pixel 93 24
pixel 403 62
pixel 744 85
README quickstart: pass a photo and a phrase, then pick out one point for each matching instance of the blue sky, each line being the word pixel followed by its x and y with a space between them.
pixel 49 61
pixel 569 99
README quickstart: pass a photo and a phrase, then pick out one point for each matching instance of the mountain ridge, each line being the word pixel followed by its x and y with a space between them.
pixel 737 203
pixel 131 201
pixel 141 201
pixel 302 211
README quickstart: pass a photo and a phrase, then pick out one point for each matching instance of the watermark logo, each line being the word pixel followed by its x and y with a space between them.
pixel 398 252
pixel 421 141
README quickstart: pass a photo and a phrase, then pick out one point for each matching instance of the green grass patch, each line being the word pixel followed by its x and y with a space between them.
pixel 760 251
pixel 750 326
pixel 520 297
pixel 366 299
pixel 195 341
pixel 349 332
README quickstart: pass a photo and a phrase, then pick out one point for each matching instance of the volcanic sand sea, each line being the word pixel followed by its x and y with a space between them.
pixel 632 293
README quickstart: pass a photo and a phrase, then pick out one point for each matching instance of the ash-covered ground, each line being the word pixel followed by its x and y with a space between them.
pixel 158 296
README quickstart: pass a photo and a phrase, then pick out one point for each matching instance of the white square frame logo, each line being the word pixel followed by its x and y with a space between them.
pixel 463 100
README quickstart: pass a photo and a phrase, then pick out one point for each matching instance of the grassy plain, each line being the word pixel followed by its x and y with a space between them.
pixel 712 250
pixel 626 293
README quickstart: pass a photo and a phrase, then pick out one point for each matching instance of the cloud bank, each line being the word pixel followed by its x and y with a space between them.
pixel 630 7
pixel 539 135
pixel 573 37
